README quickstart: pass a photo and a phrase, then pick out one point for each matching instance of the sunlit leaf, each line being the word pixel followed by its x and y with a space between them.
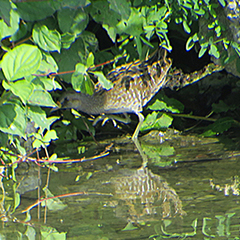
pixel 37 144
pixel 134 25
pixel 17 200
pixel 5 29
pixel 167 104
pixel 48 64
pixel 156 121
pixel 105 83
pixel 67 39
pixel 81 81
pixel 218 31
pixel 223 3
pixel 22 89
pixel 90 60
pixel 20 33
pixel 38 116
pixel 202 51
pixel 214 51
pixel 49 136
pixel 48 40
pixel 186 27
pixel 191 41
pixel 50 83
pixel 23 60
pixel 41 97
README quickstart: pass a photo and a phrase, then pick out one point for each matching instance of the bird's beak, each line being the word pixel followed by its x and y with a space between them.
pixel 57 107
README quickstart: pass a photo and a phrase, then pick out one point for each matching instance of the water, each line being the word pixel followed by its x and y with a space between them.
pixel 190 189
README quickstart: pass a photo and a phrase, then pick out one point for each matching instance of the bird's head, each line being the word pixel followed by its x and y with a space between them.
pixel 69 100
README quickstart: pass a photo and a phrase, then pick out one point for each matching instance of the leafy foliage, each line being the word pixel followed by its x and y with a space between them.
pixel 41 38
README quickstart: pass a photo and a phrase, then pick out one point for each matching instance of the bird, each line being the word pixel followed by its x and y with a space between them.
pixel 134 85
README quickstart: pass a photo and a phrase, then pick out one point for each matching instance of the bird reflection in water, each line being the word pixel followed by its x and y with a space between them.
pixel 144 195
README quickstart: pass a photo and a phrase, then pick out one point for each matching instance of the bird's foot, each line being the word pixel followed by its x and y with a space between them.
pixel 113 118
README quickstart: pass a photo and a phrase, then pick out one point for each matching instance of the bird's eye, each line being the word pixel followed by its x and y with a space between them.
pixel 66 100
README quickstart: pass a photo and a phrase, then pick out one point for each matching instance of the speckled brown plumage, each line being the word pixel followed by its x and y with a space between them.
pixel 134 85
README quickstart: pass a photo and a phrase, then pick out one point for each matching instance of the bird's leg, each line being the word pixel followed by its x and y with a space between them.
pixel 136 142
pixel 112 117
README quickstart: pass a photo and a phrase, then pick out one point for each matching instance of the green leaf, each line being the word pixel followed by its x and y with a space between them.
pixel 139 46
pixel 81 81
pixel 214 51
pixel 7 31
pixel 49 233
pixel 223 3
pixel 221 106
pixel 37 144
pixel 65 22
pixel 167 104
pixel 164 121
pixel 220 126
pixel 166 150
pixel 77 81
pixel 22 89
pixel 90 60
pixel 67 40
pixel 48 40
pixel 186 27
pixel 36 10
pixel 80 68
pixel 5 11
pixel 238 65
pixel 146 42
pixel 105 83
pixel 86 43
pixel 76 23
pixel 158 105
pixel 48 64
pixel 12 119
pixel 49 83
pixel 38 116
pixel 87 86
pixel 40 97
pixel 218 31
pixel 75 3
pixel 20 33
pixel 22 61
pixel 53 204
pixel 49 136
pixel 101 13
pixel 122 7
pixel 129 227
pixel 191 41
pixel 133 26
pixel 157 121
pixel 202 51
